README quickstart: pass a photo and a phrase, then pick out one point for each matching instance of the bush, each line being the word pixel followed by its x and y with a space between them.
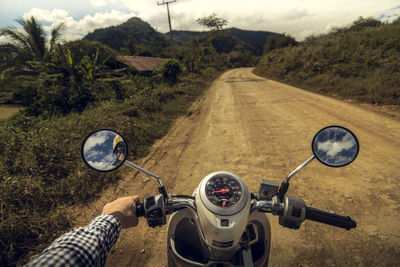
pixel 170 70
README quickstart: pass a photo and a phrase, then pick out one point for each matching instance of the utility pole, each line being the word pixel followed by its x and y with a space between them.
pixel 169 18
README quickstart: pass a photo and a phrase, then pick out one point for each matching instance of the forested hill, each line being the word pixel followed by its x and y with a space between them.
pixel 134 29
pixel 255 40
pixel 358 62
pixel 141 33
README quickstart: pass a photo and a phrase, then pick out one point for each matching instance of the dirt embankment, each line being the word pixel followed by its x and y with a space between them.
pixel 258 128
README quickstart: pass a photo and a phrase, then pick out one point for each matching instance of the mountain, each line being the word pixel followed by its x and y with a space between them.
pixel 134 29
pixel 254 40
pixel 141 33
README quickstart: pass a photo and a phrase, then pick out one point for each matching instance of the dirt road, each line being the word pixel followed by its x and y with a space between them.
pixel 258 128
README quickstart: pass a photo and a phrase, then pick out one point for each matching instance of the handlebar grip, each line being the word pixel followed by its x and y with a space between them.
pixel 329 218
pixel 139 209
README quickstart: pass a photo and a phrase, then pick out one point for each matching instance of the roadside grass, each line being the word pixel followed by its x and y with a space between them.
pixel 359 62
pixel 41 172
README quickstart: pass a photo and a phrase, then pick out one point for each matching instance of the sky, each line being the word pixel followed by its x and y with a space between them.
pixel 98 150
pixel 297 18
pixel 335 146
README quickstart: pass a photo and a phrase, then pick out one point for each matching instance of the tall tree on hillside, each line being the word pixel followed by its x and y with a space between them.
pixel 30 43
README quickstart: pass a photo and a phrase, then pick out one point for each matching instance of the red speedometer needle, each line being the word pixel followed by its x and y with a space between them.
pixel 224 204
pixel 222 191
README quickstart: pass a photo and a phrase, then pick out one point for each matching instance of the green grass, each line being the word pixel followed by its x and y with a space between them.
pixel 359 62
pixel 42 174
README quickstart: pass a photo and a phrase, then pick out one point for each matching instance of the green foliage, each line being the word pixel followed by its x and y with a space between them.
pixel 359 62
pixel 241 58
pixel 170 70
pixel 222 42
pixel 365 22
pixel 129 48
pixel 31 42
pixel 134 29
pixel 212 22
pixel 41 171
pixel 251 40
pixel 68 80
pixel 279 41
pixel 70 92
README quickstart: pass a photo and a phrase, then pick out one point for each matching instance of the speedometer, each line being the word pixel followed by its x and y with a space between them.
pixel 223 190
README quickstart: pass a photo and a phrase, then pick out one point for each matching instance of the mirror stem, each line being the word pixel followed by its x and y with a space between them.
pixel 298 169
pixel 130 164
pixel 161 188
pixel 285 184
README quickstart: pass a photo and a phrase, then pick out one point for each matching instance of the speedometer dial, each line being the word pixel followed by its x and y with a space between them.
pixel 223 190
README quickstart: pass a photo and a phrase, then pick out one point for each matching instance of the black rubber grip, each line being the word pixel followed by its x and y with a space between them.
pixel 139 209
pixel 329 218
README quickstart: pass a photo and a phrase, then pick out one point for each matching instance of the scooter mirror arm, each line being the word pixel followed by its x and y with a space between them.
pixel 298 169
pixel 285 184
pixel 161 188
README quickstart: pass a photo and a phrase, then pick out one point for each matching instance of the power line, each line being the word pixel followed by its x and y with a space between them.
pixel 169 18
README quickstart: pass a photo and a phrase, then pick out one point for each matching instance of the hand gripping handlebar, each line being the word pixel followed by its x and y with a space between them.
pixel 139 209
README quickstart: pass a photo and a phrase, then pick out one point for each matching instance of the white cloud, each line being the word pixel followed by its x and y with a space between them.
pixel 339 146
pixel 78 28
pixel 101 165
pixel 94 140
pixel 97 3
pixel 335 147
pixel 390 14
pixel 297 18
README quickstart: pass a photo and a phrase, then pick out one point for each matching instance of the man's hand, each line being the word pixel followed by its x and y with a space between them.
pixel 125 210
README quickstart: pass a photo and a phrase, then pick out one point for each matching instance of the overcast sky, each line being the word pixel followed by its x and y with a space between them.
pixel 299 18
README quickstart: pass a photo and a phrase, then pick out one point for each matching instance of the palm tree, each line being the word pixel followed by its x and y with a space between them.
pixel 31 42
pixel 19 58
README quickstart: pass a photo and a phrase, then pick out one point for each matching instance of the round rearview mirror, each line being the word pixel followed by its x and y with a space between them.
pixel 104 150
pixel 335 146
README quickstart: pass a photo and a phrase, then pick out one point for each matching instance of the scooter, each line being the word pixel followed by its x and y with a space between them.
pixel 222 223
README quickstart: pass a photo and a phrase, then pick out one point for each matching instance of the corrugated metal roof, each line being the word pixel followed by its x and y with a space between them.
pixel 142 63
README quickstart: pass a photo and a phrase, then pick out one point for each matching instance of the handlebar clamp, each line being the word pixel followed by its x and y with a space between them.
pixel 294 212
pixel 155 211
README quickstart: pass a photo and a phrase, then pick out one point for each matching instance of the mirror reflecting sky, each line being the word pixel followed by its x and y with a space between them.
pixel 335 146
pixel 98 150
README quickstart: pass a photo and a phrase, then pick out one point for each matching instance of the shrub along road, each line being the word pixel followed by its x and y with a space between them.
pixel 258 128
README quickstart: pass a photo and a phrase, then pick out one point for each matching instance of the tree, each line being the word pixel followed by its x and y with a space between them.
pixel 278 41
pixel 170 70
pixel 31 42
pixel 365 22
pixel 129 48
pixel 212 22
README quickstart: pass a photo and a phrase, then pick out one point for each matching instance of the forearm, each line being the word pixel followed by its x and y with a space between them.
pixel 86 246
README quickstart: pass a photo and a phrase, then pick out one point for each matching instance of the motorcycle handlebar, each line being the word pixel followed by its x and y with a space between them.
pixel 139 209
pixel 330 218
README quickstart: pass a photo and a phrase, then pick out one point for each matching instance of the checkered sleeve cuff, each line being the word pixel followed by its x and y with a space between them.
pixel 86 246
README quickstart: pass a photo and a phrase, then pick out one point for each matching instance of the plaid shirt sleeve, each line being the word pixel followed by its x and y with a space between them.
pixel 86 246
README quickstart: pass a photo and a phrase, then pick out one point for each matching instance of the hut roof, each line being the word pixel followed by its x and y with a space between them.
pixel 142 63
